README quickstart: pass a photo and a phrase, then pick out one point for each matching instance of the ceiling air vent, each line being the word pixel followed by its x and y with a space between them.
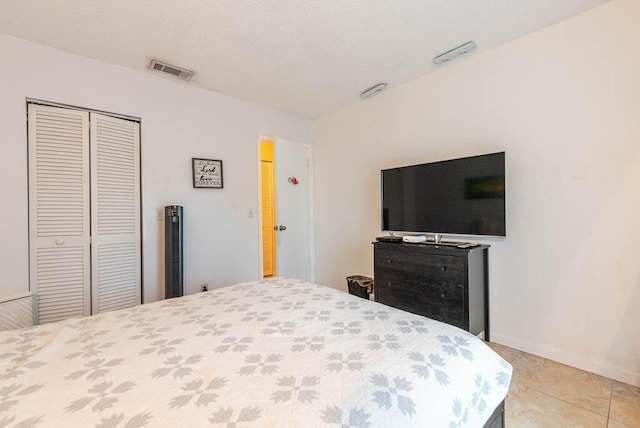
pixel 178 72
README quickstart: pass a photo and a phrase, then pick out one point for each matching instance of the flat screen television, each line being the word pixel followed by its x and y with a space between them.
pixel 463 196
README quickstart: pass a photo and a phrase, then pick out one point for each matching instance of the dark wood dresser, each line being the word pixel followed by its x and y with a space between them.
pixel 441 282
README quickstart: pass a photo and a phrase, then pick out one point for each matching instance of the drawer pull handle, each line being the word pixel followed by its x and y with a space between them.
pixel 388 283
pixel 389 261
pixel 59 241
pixel 443 268
pixel 443 295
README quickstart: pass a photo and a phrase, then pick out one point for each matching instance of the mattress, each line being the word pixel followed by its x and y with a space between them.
pixel 268 353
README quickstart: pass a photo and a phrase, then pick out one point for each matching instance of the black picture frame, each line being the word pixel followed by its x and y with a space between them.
pixel 207 173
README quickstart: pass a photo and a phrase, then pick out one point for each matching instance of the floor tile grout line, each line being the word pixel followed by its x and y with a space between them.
pixel 606 417
pixel 610 399
pixel 563 400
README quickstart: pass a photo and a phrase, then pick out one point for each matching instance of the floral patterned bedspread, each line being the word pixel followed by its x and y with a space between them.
pixel 271 353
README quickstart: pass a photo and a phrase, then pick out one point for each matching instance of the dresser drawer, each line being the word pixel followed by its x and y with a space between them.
pixel 438 267
pixel 439 301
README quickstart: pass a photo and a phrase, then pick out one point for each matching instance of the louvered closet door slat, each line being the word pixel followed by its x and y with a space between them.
pixel 59 212
pixel 115 212
pixel 268 219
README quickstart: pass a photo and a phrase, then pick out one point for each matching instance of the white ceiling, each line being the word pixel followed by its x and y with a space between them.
pixel 305 57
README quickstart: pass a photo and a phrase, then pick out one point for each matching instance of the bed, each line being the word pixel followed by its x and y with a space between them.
pixel 268 353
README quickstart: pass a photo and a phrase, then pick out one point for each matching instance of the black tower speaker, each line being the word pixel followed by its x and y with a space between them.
pixel 173 263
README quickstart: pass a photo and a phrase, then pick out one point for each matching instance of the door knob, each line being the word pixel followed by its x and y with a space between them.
pixel 281 227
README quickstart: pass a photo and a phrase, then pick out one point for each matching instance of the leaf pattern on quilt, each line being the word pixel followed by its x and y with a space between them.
pixel 90 350
pixel 503 379
pixel 150 333
pixel 204 395
pixel 425 366
pixel 322 297
pixel 257 316
pixel 372 315
pixel 103 396
pixel 198 319
pixel 256 293
pixel 417 326
pixel 293 306
pixel 25 423
pixel 222 300
pixel 315 343
pixel 119 420
pixel 378 342
pixel 390 392
pixel 283 285
pixel 356 418
pixel 214 329
pixel 339 328
pixel 184 312
pixel 256 363
pixel 456 345
pixel 228 417
pixel 95 369
pixel 317 315
pixel 10 394
pixel 342 305
pixel 273 299
pixel 483 389
pixel 137 322
pixel 352 361
pixel 234 344
pixel 162 346
pixel 87 336
pixel 178 365
pixel 280 328
pixel 239 307
pixel 19 370
pixel 26 337
pixel 292 389
pixel 21 354
pixel 300 291
pixel 460 413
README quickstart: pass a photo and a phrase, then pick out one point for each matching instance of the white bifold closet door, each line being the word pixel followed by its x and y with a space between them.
pixel 115 213
pixel 84 215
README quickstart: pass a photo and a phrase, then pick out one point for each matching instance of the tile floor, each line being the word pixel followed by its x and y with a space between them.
pixel 544 393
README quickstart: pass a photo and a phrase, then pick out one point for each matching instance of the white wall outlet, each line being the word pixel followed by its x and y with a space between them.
pixel 204 287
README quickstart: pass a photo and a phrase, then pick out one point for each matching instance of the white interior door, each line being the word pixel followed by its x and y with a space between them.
pixel 292 209
pixel 59 212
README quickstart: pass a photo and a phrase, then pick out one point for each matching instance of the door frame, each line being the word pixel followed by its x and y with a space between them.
pixel 310 186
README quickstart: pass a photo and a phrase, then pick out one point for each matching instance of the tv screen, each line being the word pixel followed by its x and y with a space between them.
pixel 463 196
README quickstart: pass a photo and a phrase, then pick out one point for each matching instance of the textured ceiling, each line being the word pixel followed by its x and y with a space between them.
pixel 305 57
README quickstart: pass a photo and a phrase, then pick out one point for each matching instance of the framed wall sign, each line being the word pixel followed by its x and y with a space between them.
pixel 207 173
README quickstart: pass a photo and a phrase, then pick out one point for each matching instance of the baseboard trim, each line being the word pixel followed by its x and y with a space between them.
pixel 573 360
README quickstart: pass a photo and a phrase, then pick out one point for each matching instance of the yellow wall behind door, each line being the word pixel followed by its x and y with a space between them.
pixel 267 180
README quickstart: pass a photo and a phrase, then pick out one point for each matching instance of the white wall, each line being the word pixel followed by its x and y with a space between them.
pixel 178 122
pixel 564 103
